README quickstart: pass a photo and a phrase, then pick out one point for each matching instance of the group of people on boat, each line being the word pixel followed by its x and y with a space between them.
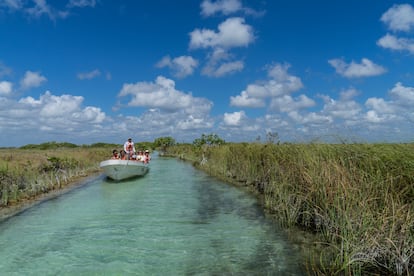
pixel 129 153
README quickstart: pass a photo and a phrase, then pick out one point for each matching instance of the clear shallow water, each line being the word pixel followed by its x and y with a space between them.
pixel 174 221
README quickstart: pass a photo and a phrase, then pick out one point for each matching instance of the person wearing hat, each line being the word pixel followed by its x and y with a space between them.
pixel 146 158
pixel 129 148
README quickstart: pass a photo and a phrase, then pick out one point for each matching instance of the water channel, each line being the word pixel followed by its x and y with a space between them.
pixel 174 221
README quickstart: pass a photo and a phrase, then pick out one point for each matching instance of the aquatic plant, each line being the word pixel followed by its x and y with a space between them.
pixel 357 198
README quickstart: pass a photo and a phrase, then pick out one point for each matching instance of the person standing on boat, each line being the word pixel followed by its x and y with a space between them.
pixel 129 148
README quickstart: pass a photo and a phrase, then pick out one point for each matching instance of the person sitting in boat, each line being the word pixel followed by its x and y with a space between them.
pixel 129 148
pixel 115 154
pixel 122 155
pixel 140 155
pixel 146 157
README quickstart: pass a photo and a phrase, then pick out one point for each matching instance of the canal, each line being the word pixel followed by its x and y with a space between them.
pixel 174 221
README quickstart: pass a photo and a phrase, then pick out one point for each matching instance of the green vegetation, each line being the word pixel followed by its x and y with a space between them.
pixel 32 170
pixel 356 198
pixel 163 142
pixel 210 139
pixel 49 146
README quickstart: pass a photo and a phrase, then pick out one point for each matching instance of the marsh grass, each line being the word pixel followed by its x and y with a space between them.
pixel 357 198
pixel 27 173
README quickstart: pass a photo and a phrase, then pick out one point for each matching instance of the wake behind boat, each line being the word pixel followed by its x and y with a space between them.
pixel 123 169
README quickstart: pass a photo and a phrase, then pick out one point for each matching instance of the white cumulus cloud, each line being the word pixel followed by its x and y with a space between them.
pixel 396 43
pixel 245 100
pixel 234 119
pixel 181 66
pixel 399 17
pixel 6 88
pixel 233 32
pixel 62 117
pixel 403 95
pixel 162 94
pixel 357 70
pixel 225 7
pixel 287 103
pixel 31 80
pixel 280 83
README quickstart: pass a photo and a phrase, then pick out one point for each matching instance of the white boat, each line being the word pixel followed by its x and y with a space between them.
pixel 123 169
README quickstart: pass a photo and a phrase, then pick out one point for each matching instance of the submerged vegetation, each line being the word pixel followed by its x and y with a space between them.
pixel 356 198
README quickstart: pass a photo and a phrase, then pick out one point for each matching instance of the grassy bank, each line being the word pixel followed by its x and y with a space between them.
pixel 357 198
pixel 29 172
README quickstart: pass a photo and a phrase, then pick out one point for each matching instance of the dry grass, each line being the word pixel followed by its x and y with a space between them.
pixel 28 173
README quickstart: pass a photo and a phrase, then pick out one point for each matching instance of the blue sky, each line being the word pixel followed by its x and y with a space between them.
pixel 86 71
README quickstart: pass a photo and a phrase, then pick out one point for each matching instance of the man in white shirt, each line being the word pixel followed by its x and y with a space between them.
pixel 129 148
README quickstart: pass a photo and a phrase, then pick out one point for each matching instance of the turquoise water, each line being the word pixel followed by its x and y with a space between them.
pixel 174 221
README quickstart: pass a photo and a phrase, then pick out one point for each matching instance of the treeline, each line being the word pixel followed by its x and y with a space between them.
pixel 157 143
pixel 65 145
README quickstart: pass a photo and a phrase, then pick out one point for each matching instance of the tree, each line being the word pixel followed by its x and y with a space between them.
pixel 210 140
pixel 272 138
pixel 164 142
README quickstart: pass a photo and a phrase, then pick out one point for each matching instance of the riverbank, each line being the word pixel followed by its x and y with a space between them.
pixel 18 207
pixel 356 198
pixel 30 176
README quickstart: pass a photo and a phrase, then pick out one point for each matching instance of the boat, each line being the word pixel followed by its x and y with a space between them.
pixel 123 169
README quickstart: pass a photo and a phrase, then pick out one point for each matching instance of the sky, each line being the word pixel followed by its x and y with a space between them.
pixel 88 71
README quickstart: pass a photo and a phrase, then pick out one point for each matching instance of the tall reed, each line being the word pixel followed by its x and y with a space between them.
pixel 356 197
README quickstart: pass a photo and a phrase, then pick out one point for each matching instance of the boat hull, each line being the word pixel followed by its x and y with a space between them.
pixel 123 169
